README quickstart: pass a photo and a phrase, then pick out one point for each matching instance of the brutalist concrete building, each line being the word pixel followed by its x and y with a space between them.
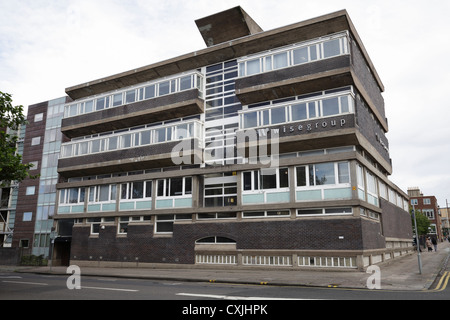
pixel 266 148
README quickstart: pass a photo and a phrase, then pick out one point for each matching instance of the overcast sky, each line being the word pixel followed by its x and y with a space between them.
pixel 49 45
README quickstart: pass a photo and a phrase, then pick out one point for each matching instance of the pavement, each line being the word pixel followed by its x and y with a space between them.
pixel 401 273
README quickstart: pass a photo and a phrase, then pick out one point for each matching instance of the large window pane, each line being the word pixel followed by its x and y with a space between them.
pixel 299 112
pixel 280 60
pixel 284 178
pixel 145 138
pixel 331 48
pixel 278 115
pixel 253 67
pixel 269 179
pixel 250 120
pixel 117 99
pixel 130 96
pixel 164 88
pixel 330 107
pixel 138 190
pixel 300 55
pixel 148 189
pixel 301 176
pixel 185 83
pixel 176 186
pixel 344 175
pixel 323 174
pixel 149 92
pixel 73 195
pixel 247 181
pixel 104 193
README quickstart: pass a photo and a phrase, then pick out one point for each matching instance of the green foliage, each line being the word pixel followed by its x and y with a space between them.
pixel 33 260
pixel 11 166
pixel 423 223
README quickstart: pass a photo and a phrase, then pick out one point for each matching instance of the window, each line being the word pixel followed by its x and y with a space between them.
pixel 136 190
pixel 102 103
pixel 71 195
pixel 27 216
pixel 267 214
pixel 220 215
pixel 102 193
pixel 130 96
pixel 35 141
pixel 426 201
pixel 117 99
pixel 220 190
pixel 215 240
pixel 95 224
pixel 324 211
pixel 38 117
pixel 265 179
pixel 300 54
pixel 164 223
pixel 30 191
pixel 323 174
pixel 331 48
pixel 124 221
pixel 174 187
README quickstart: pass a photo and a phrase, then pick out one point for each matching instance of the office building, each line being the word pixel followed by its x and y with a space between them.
pixel 266 148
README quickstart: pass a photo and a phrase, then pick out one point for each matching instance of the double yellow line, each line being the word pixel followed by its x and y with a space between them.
pixel 442 282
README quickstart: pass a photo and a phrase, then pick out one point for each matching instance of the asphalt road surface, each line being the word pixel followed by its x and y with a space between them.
pixel 27 286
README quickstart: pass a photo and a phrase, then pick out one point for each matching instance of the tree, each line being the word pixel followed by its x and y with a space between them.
pixel 11 166
pixel 423 223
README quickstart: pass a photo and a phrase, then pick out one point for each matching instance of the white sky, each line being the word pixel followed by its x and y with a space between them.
pixel 49 45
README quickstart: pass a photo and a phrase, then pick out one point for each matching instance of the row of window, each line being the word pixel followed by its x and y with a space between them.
pixel 164 223
pixel 149 91
pixel 138 138
pixel 297 111
pixel 295 55
pixel 331 173
pixel 216 193
pixel 170 187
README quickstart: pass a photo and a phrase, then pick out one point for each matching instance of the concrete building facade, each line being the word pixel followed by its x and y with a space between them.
pixel 267 148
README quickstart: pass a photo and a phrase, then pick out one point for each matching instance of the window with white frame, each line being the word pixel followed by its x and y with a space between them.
pixel 264 179
pixel 323 174
pixel 164 223
pixel 102 193
pixel 30 191
pixel 267 214
pixel 150 90
pixel 136 190
pixel 96 223
pixel 35 141
pixel 72 195
pixel 297 110
pixel 122 227
pixel 301 53
pixel 220 189
pixel 426 201
pixel 429 213
pixel 325 211
pixel 174 187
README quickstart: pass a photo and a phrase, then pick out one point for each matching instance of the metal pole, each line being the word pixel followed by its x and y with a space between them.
pixel 418 241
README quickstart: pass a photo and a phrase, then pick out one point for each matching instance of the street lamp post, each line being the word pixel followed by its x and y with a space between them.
pixel 419 258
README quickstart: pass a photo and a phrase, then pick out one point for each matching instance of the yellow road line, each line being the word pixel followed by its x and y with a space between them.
pixel 442 283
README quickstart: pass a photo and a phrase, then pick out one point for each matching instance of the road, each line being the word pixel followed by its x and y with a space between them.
pixel 21 286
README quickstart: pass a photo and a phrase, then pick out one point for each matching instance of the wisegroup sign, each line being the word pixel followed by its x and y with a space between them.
pixel 263 143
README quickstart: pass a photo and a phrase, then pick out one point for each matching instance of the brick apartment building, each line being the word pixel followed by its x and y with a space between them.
pixel 265 148
pixel 428 205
